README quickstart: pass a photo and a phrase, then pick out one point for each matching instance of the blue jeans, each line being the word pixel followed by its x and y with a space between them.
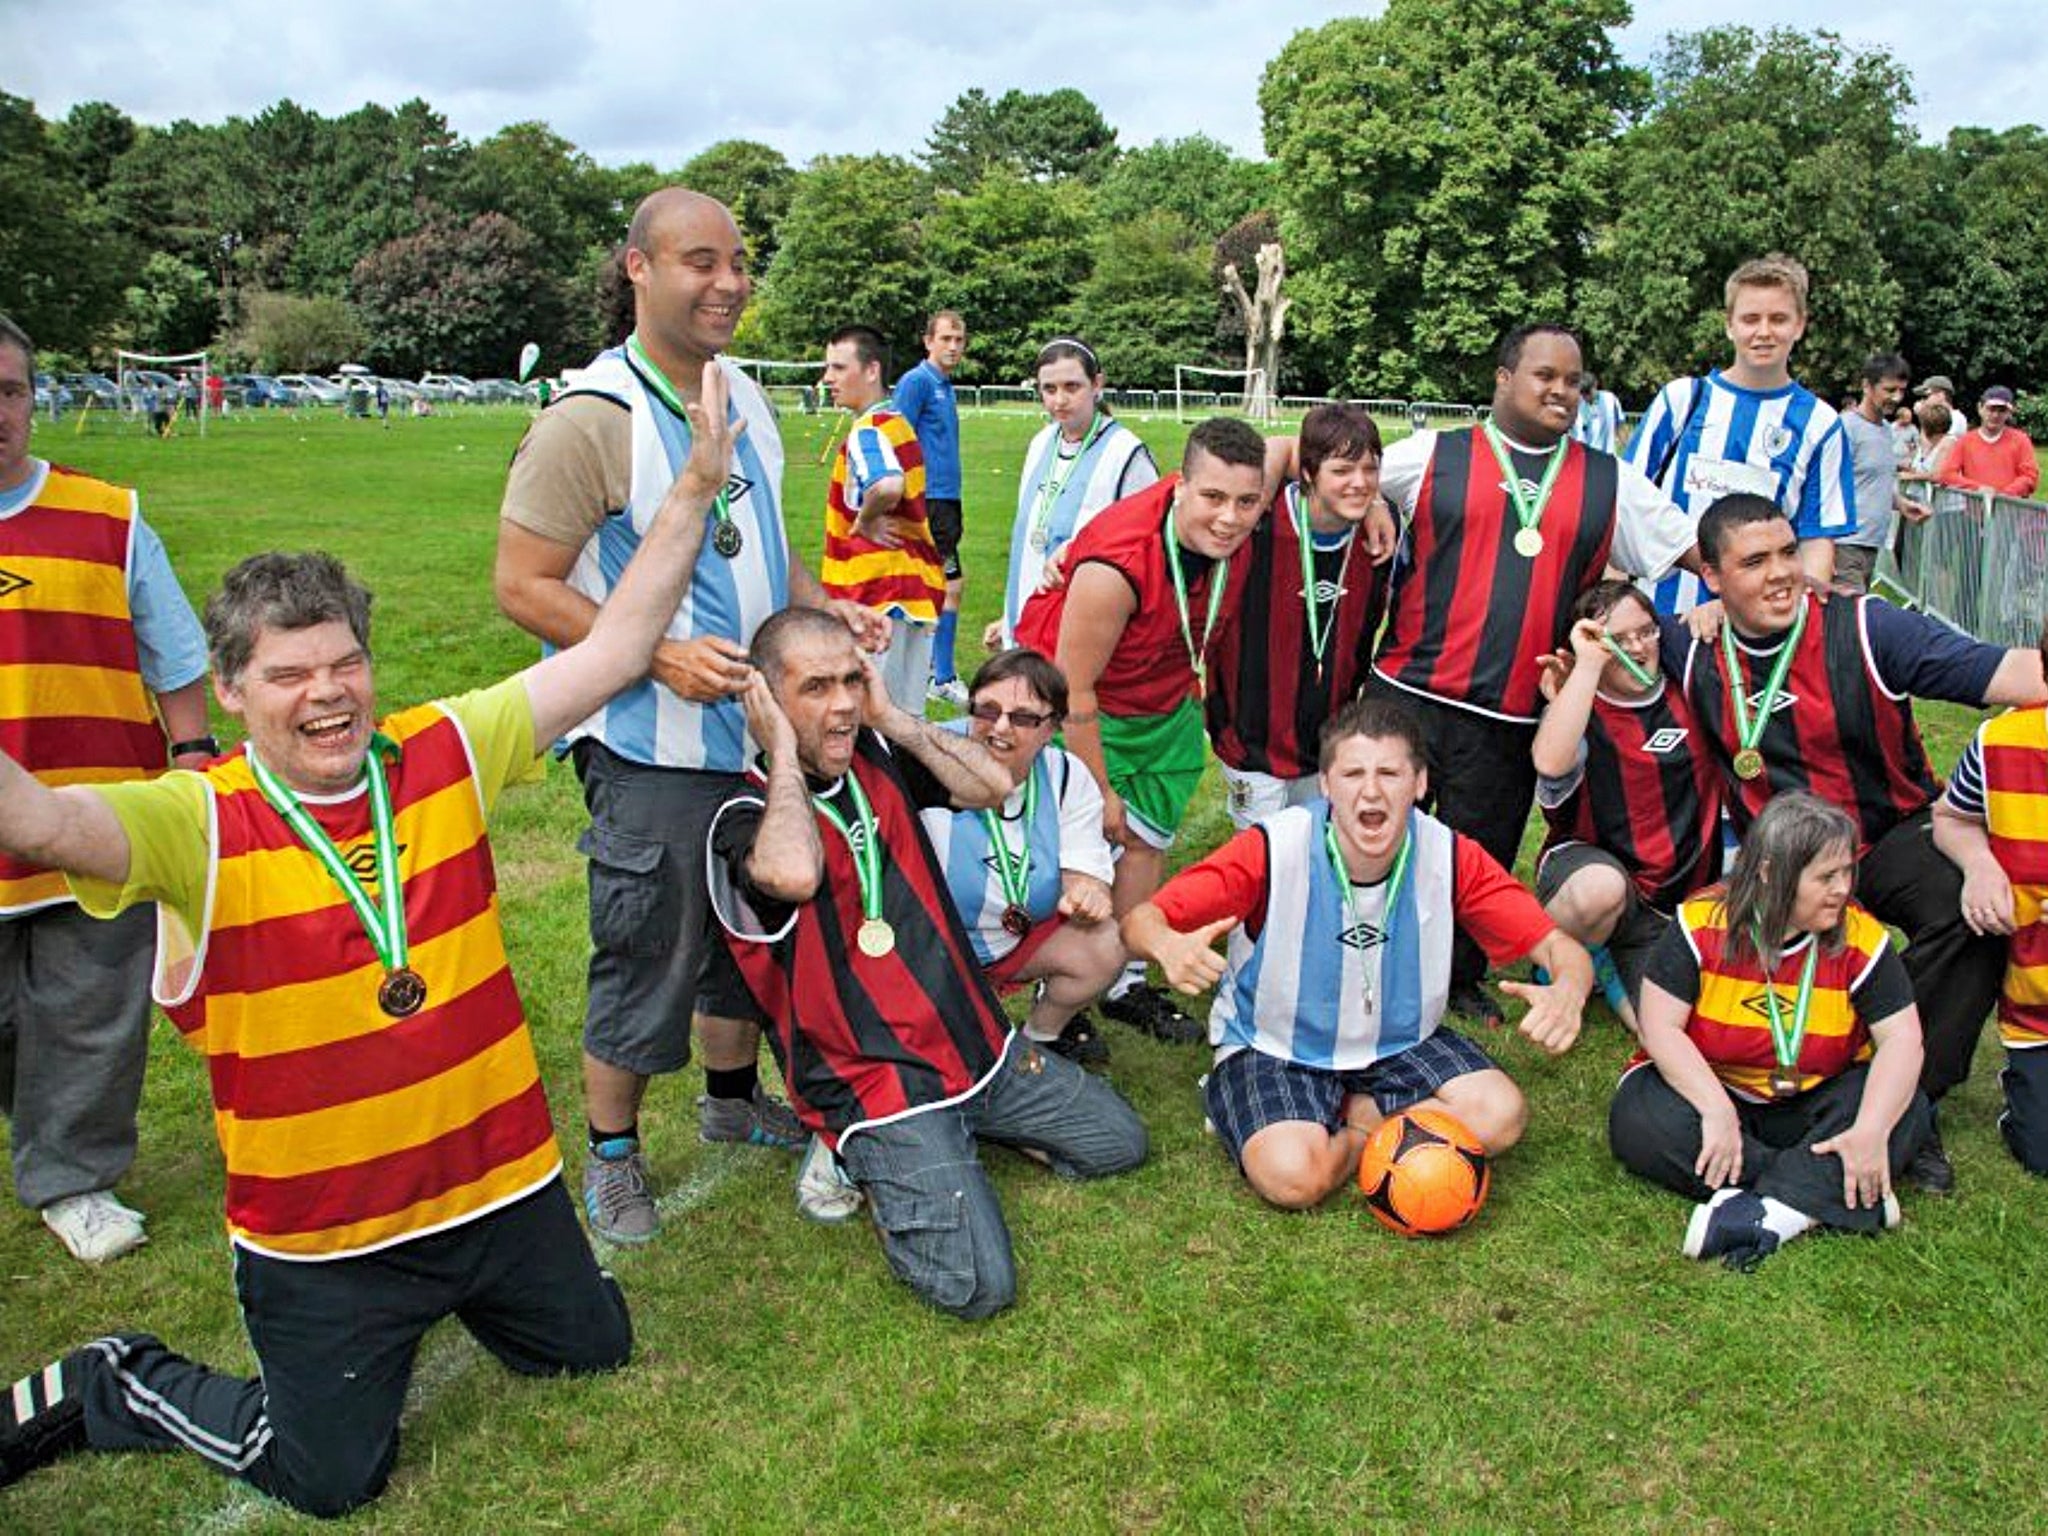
pixel 941 1226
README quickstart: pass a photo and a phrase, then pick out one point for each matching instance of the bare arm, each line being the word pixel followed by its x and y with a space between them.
pixel 787 861
pixel 2018 681
pixel 1555 748
pixel 1184 959
pixel 870 629
pixel 1099 607
pixel 1817 559
pixel 568 685
pixel 967 769
pixel 1987 892
pixel 69 829
pixel 1557 1009
pixel 184 716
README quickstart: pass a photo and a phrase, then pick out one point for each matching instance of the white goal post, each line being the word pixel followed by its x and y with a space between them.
pixel 803 389
pixel 130 371
pixel 1249 393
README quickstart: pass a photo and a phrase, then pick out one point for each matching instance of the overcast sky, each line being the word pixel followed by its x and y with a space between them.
pixel 660 82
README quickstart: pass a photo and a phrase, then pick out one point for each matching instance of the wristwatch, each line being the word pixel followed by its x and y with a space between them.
pixel 205 744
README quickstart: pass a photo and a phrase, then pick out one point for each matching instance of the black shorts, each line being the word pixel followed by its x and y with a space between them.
pixel 945 521
pixel 1636 931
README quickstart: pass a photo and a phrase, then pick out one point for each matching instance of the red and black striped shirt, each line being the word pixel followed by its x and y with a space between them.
pixel 1469 616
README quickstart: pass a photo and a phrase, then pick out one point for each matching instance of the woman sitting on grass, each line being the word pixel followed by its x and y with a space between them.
pixel 1776 1084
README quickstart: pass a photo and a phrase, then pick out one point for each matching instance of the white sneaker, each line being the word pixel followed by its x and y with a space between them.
pixel 95 1227
pixel 952 691
pixel 823 1191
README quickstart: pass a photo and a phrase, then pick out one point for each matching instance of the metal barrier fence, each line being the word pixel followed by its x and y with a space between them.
pixel 1979 563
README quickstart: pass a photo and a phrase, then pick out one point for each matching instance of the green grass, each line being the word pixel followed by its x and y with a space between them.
pixel 1181 1358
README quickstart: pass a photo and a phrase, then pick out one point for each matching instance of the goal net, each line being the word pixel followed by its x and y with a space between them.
pixel 1203 390
pixel 784 383
pixel 165 389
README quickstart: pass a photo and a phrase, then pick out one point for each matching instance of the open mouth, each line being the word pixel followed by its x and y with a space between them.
pixel 328 730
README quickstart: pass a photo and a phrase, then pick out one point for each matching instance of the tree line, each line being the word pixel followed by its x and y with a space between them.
pixel 1436 174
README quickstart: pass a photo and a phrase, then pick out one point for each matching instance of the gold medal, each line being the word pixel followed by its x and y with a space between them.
pixel 402 992
pixel 1529 543
pixel 1784 1082
pixel 727 539
pixel 1749 763
pixel 876 938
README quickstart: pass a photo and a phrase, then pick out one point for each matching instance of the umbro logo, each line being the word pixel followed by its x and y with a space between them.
pixel 1363 936
pixel 736 487
pixel 1530 491
pixel 11 583
pixel 1757 1004
pixel 856 835
pixel 1663 741
pixel 1779 705
pixel 361 861
pixel 1328 592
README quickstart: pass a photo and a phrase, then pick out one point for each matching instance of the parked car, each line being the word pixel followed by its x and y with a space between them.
pixel 138 380
pixel 311 389
pixel 255 390
pixel 51 396
pixel 96 387
pixel 447 386
pixel 401 391
pixel 495 391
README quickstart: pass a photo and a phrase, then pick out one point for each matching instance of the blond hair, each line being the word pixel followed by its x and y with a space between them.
pixel 1776 270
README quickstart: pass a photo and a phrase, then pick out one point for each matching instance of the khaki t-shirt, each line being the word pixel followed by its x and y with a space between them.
pixel 574 468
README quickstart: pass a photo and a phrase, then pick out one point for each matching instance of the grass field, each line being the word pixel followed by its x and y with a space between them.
pixel 1181 1358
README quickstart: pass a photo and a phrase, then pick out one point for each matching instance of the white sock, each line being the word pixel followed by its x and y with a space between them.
pixel 1786 1223
pixel 1132 975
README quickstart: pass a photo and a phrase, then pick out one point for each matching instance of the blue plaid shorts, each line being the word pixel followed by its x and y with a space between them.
pixel 1251 1090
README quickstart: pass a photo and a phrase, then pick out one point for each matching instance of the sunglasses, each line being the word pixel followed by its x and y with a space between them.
pixel 1023 719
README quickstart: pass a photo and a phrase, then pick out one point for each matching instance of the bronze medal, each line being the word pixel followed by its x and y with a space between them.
pixel 402 992
pixel 1784 1082
pixel 727 539
pixel 1016 921
pixel 1529 543
pixel 875 938
pixel 1749 763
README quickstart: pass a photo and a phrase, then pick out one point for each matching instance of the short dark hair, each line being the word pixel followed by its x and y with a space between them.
pixel 1228 440
pixel 1880 366
pixel 1735 510
pixel 12 335
pixel 782 629
pixel 868 344
pixel 285 592
pixel 1337 432
pixel 1028 667
pixel 1065 347
pixel 1378 718
pixel 1509 356
pixel 1601 598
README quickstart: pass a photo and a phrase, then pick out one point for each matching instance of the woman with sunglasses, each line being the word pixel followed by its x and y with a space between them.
pixel 1031 877
pixel 1777 1080
pixel 1080 462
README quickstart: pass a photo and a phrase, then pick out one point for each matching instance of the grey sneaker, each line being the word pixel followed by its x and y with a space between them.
pixel 762 1121
pixel 615 1193
pixel 95 1227
pixel 823 1191
pixel 952 691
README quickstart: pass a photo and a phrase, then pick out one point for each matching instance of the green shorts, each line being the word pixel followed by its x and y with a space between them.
pixel 1155 765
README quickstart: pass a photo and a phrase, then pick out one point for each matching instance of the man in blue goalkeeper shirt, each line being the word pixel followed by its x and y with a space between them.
pixel 925 397
pixel 1751 428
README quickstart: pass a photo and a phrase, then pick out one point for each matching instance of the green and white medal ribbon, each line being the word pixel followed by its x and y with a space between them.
pixel 1629 664
pixel 1528 510
pixel 1014 869
pixel 1785 1042
pixel 876 938
pixel 1196 658
pixel 1749 728
pixel 726 537
pixel 402 991
pixel 1321 625
pixel 1345 885
pixel 1038 532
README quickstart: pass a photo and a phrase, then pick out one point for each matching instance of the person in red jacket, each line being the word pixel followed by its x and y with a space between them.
pixel 1998 456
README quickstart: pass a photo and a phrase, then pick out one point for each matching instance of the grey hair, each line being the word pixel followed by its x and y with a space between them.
pixel 1795 829
pixel 280 591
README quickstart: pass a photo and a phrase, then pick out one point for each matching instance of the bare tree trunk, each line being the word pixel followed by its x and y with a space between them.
pixel 1265 315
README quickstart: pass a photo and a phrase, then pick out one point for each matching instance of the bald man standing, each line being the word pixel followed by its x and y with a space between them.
pixel 659 759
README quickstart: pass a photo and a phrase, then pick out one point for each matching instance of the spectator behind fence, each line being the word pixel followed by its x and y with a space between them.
pixel 1876 465
pixel 1998 456
pixel 1932 443
pixel 1939 389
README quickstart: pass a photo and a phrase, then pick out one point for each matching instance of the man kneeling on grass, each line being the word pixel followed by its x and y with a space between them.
pixel 895 1051
pixel 1329 1005
pixel 390 1159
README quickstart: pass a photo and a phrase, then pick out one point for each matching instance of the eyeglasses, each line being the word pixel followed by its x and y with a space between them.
pixel 1023 719
pixel 1647 635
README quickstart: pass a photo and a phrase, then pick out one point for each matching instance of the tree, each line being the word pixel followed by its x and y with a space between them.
pixel 284 333
pixel 1196 178
pixel 170 307
pixel 1263 313
pixel 849 253
pixel 543 183
pixel 460 295
pixel 754 181
pixel 1789 141
pixel 1439 165
pixel 1007 256
pixel 1046 137
pixel 92 137
pixel 1148 302
pixel 61 268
